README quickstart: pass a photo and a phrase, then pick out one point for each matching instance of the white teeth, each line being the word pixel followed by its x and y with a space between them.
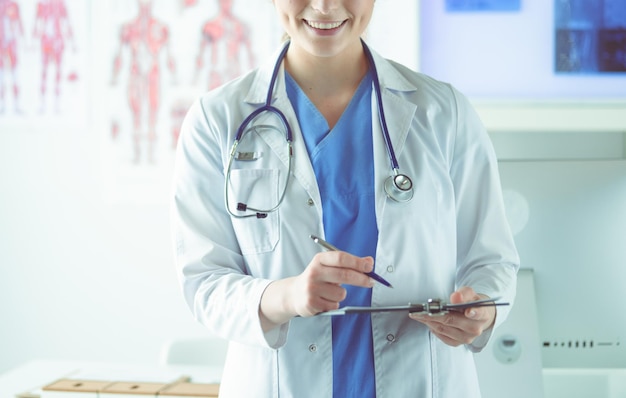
pixel 324 25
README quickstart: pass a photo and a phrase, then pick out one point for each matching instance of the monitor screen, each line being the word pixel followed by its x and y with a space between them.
pixel 533 50
pixel 569 221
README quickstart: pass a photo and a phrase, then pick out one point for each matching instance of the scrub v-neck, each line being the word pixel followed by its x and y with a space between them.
pixel 342 159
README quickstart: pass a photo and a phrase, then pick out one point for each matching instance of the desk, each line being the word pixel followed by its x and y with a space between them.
pixel 35 374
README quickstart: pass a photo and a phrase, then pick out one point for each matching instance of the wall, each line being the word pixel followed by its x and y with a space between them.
pixel 79 278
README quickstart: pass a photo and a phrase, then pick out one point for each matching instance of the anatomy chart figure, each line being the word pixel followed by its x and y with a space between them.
pixel 178 111
pixel 11 30
pixel 227 40
pixel 52 28
pixel 188 3
pixel 146 38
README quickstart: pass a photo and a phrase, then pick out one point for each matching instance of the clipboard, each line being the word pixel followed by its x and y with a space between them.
pixel 433 307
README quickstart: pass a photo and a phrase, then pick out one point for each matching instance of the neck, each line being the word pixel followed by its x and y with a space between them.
pixel 329 82
pixel 327 76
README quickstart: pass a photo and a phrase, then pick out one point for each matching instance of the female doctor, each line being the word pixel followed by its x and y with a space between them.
pixel 391 167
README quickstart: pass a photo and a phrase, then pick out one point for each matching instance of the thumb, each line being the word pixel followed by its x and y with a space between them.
pixel 463 295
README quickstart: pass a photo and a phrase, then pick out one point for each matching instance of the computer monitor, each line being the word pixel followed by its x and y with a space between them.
pixel 569 220
pixel 532 65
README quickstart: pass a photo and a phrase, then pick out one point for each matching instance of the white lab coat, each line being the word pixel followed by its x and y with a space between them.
pixel 453 233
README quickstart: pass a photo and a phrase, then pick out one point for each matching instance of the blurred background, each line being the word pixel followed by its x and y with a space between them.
pixel 93 94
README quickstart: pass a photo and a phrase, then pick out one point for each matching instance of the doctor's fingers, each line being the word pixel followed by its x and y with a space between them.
pixel 341 259
pixel 453 328
pixel 322 297
pixel 310 297
pixel 342 268
pixel 339 276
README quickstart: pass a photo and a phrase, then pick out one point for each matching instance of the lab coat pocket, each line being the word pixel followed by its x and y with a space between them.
pixel 258 190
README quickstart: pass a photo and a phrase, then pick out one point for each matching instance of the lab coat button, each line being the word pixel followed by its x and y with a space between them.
pixel 390 268
pixel 391 338
pixel 313 347
pixel 310 202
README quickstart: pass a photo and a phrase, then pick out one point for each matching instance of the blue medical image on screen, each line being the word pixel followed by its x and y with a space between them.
pixel 482 5
pixel 575 51
pixel 614 14
pixel 590 36
pixel 612 50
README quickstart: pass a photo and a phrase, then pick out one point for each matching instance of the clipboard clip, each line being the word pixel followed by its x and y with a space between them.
pixel 437 307
pixel 433 307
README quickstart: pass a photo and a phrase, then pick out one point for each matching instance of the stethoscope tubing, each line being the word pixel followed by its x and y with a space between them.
pixel 397 192
pixel 381 111
pixel 268 107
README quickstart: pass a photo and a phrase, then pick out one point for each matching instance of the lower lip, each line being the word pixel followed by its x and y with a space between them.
pixel 325 32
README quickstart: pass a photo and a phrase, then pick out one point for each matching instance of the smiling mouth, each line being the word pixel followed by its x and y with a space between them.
pixel 324 25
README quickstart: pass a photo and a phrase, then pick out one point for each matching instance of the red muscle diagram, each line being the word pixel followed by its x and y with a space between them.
pixel 11 30
pixel 188 3
pixel 226 41
pixel 146 38
pixel 53 29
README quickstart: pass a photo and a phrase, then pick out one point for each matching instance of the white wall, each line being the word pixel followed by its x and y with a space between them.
pixel 79 278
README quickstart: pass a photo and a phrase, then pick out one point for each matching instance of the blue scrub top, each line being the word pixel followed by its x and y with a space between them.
pixel 343 162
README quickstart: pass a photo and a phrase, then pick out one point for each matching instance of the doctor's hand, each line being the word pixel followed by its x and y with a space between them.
pixel 315 290
pixel 457 328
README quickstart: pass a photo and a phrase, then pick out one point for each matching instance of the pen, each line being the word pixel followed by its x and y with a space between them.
pixel 330 247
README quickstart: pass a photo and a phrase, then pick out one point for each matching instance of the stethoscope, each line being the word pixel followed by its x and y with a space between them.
pixel 398 186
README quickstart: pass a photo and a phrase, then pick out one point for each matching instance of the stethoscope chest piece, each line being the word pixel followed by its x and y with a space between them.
pixel 399 188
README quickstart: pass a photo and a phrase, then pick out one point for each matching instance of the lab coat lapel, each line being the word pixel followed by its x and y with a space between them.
pixel 302 169
pixel 399 114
